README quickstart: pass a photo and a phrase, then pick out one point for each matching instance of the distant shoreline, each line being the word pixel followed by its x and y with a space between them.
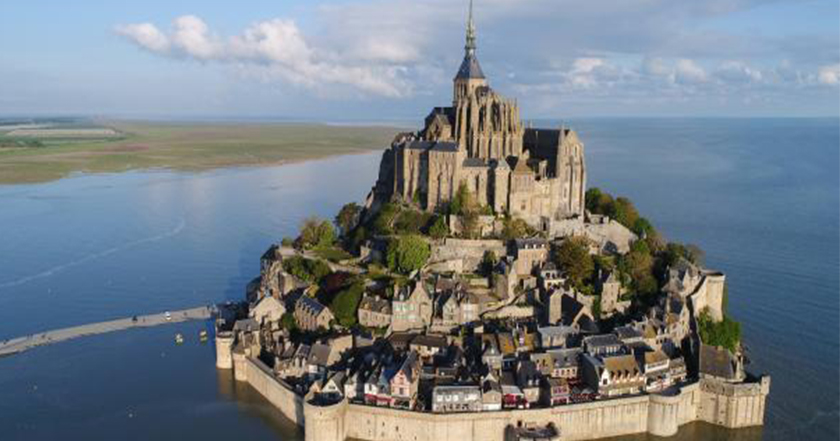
pixel 190 147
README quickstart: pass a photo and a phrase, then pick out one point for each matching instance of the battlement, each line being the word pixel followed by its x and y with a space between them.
pixel 723 404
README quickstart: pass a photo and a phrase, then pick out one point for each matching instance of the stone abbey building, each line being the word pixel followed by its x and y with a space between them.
pixel 538 175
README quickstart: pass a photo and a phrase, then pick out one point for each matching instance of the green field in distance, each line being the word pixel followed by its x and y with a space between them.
pixel 35 154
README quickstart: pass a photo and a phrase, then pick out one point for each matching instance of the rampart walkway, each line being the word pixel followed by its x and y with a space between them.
pixel 20 344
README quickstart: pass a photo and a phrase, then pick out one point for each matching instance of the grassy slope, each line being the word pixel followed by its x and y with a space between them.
pixel 188 147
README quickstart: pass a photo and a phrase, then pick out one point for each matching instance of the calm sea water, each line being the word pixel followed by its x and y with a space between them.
pixel 760 196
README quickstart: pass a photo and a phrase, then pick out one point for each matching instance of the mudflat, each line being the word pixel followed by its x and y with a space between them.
pixel 186 146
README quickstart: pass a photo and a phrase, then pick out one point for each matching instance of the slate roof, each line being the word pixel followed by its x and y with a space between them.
pixel 445 147
pixel 311 305
pixel 444 114
pixel 530 243
pixel 474 162
pixel 246 325
pixel 599 341
pixel 470 69
pixel 319 354
pixel 654 357
pixel 419 145
pixel 621 366
pixel 717 362
pixel 432 341
pixel 375 304
pixel 627 333
pixel 566 357
pixel 556 331
pixel 587 325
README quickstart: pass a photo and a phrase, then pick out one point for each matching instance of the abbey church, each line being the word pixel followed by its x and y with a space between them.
pixel 538 175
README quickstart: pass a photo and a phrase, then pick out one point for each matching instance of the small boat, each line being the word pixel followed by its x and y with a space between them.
pixel 179 338
pixel 202 335
pixel 167 315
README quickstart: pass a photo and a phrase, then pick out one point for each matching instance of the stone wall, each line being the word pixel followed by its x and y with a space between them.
pixel 727 405
pixel 470 251
pixel 260 377
pixel 733 405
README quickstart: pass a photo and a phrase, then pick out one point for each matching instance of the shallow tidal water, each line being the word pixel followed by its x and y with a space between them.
pixel 760 196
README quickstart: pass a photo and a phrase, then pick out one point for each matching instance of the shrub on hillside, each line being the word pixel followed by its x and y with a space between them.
pixel 407 253
pixel 315 232
pixel 305 269
pixel 572 256
pixel 725 333
pixel 345 304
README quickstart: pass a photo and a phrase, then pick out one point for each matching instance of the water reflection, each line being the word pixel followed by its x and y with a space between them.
pixel 701 431
pixel 250 402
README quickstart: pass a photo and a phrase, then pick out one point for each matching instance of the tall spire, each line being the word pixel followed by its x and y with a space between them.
pixel 470 47
pixel 470 68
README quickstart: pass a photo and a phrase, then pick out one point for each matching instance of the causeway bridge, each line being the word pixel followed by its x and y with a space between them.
pixel 20 344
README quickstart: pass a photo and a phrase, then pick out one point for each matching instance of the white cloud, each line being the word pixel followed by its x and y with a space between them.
pixel 410 48
pixel 192 35
pixel 146 35
pixel 271 49
pixel 688 72
pixel 586 65
pixel 738 72
pixel 829 75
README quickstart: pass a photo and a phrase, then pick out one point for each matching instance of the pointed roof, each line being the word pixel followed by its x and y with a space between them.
pixel 521 167
pixel 470 69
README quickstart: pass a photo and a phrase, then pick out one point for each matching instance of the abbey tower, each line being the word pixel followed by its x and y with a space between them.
pixel 479 142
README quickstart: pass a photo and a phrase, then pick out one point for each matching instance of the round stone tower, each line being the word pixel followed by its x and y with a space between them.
pixel 324 423
pixel 663 415
pixel 224 345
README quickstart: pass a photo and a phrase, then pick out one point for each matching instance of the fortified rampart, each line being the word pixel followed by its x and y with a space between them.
pixel 471 252
pixel 727 405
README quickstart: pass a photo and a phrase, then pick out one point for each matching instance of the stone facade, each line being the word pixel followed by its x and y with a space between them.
pixel 412 308
pixel 480 142
pixel 374 312
pixel 728 405
pixel 311 315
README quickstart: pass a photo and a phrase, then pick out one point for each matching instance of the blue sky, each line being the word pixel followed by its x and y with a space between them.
pixel 378 60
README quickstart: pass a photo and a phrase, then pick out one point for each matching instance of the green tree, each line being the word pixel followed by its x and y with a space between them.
pixel 599 202
pixel 287 321
pixel 410 221
pixel 348 217
pixel 573 258
pixel 383 220
pixel 488 262
pixel 625 212
pixel 643 227
pixel 315 232
pixel 596 307
pixel 407 253
pixel 345 304
pixel 305 269
pixel 462 202
pixel 439 228
pixel 357 238
pixel 639 265
pixel 725 333
pixel 592 199
pixel 695 254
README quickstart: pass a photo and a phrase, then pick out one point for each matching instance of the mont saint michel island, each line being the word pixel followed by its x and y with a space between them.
pixel 483 292
pixel 420 220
